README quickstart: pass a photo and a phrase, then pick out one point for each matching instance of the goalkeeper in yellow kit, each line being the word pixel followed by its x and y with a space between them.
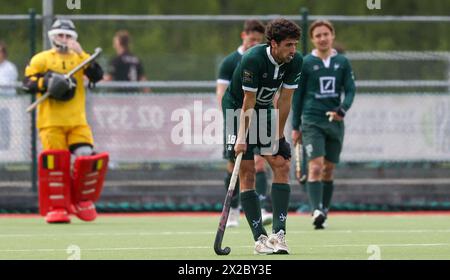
pixel 63 128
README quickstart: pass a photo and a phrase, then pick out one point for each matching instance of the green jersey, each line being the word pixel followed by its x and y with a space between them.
pixel 228 65
pixel 320 88
pixel 258 72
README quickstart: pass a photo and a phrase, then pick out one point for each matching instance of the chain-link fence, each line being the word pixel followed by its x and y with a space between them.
pixel 14 129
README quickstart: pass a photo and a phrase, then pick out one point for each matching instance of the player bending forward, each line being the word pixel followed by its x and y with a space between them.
pixel 263 70
pixel 63 129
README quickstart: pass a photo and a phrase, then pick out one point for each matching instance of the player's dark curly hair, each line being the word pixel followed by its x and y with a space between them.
pixel 281 29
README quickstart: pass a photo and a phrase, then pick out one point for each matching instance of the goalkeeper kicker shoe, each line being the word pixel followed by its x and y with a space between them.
pixel 278 243
pixel 57 216
pixel 262 246
pixel 85 210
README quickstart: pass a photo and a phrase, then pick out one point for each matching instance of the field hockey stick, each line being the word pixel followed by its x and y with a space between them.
pixel 226 210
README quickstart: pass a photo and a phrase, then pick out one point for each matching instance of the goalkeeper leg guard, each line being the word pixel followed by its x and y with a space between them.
pixel 54 185
pixel 88 178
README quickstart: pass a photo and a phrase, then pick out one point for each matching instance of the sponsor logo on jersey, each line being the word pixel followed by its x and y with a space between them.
pixel 265 95
pixel 327 87
pixel 327 84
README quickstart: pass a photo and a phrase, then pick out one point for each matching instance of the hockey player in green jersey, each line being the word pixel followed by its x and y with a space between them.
pixel 318 115
pixel 250 123
pixel 252 34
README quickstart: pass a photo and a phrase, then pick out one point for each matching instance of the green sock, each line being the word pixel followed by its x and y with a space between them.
pixel 280 204
pixel 252 210
pixel 328 187
pixel 261 187
pixel 315 194
pixel 235 198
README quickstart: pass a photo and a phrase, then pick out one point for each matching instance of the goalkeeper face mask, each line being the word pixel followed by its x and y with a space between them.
pixel 61 32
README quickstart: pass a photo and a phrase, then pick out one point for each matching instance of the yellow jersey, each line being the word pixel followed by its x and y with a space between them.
pixel 53 112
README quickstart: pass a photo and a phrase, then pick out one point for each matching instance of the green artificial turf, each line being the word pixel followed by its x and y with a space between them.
pixel 191 237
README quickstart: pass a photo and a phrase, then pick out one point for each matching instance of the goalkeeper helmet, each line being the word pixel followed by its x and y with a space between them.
pixel 59 27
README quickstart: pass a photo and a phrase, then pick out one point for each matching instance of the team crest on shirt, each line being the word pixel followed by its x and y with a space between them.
pixel 265 75
pixel 316 67
pixel 248 76
pixel 280 76
pixel 336 66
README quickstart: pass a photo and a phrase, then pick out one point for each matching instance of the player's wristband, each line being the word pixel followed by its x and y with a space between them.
pixel 341 112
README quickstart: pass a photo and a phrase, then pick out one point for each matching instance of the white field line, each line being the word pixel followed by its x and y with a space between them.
pixel 212 233
pixel 210 247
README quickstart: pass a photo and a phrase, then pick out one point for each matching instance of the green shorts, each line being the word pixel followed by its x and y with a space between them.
pixel 323 139
pixel 261 134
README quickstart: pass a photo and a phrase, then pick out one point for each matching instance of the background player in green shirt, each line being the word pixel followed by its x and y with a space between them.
pixel 318 114
pixel 264 70
pixel 252 34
